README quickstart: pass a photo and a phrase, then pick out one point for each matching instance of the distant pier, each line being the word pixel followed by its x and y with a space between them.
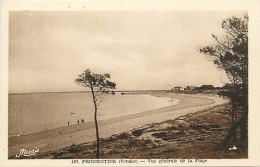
pixel 133 93
pixel 143 92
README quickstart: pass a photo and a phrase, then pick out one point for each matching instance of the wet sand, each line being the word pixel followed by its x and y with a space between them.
pixel 55 139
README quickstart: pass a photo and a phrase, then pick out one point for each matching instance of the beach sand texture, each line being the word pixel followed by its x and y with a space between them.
pixel 61 137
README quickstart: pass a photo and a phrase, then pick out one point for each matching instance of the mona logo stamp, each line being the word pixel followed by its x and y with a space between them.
pixel 27 153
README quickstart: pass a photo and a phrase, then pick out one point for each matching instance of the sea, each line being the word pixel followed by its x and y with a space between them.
pixel 36 112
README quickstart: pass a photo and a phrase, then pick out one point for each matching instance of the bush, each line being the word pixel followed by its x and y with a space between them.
pixel 138 132
pixel 123 135
pixel 159 134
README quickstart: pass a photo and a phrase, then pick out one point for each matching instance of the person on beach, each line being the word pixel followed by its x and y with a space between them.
pixel 68 123
pixel 78 121
pixel 82 120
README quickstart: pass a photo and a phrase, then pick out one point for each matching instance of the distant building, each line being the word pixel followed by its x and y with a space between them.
pixel 189 88
pixel 176 88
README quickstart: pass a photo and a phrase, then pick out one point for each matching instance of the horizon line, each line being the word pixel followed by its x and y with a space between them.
pixel 89 91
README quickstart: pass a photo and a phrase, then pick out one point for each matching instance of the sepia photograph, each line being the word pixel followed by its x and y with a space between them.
pixel 126 85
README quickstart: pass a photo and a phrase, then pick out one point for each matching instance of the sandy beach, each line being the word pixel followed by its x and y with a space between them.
pixel 59 138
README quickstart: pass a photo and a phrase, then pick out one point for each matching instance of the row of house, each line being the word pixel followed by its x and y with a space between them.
pixel 188 88
pixel 202 89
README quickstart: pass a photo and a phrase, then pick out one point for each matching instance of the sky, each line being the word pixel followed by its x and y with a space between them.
pixel 140 50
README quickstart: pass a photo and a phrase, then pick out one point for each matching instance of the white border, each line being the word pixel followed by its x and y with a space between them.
pixel 253 8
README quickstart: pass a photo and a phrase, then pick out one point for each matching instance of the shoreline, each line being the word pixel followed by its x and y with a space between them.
pixel 196 135
pixel 42 112
pixel 75 134
pixel 89 124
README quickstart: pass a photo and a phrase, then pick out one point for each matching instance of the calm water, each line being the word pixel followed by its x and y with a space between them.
pixel 30 113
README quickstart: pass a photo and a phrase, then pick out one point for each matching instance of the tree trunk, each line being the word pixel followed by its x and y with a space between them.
pixel 243 135
pixel 231 133
pixel 233 129
pixel 243 126
pixel 95 118
pixel 233 119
